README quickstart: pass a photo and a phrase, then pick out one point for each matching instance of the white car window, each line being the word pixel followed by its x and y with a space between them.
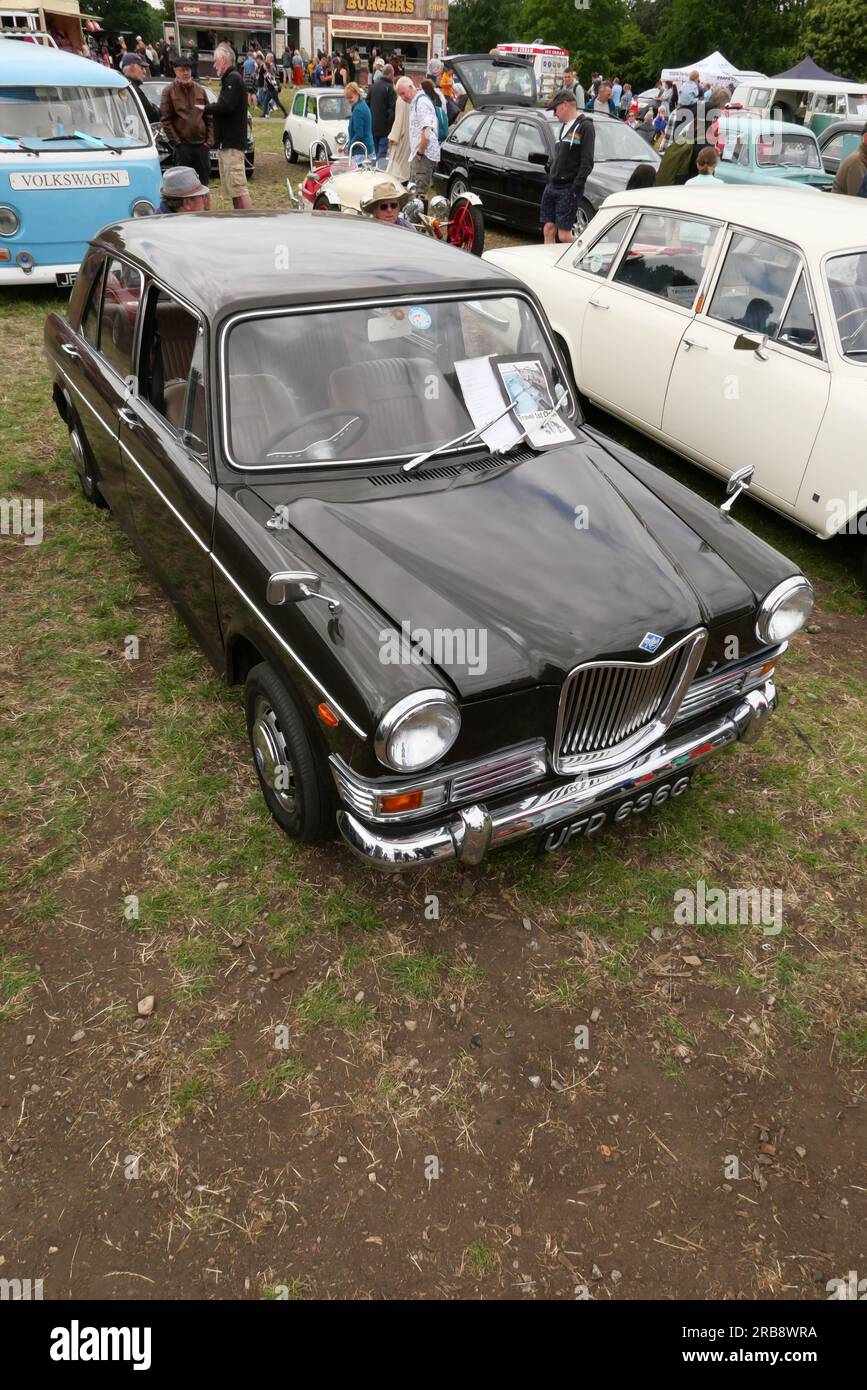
pixel 667 256
pixel 598 258
pixel 798 329
pixel 847 282
pixel 754 283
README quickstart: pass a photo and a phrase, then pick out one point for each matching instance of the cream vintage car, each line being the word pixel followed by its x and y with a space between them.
pixel 731 325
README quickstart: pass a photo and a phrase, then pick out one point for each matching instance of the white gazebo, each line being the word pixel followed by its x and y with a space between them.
pixel 714 71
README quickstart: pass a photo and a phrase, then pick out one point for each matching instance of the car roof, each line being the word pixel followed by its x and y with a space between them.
pixel 31 63
pixel 792 213
pixel 752 120
pixel 840 128
pixel 225 261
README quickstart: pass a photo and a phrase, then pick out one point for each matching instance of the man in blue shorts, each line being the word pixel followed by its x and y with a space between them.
pixel 572 162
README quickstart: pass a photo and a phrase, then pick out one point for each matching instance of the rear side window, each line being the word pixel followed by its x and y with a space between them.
pixel 170 340
pixel 496 138
pixel 466 128
pixel 528 140
pixel 121 297
pixel 667 255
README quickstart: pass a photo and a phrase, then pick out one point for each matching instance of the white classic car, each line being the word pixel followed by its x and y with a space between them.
pixel 318 116
pixel 731 325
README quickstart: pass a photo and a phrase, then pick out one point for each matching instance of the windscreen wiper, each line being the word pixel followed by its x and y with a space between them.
pixel 11 142
pixel 466 438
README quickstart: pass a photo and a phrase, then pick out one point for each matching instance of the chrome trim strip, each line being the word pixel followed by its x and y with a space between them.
pixel 171 506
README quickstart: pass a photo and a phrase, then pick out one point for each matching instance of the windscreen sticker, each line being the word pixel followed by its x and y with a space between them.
pixel 419 317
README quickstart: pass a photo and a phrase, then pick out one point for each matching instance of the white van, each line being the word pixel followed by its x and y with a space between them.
pixel 804 100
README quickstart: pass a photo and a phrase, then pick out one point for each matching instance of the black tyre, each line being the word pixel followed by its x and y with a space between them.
pixel 289 149
pixel 586 213
pixel 321 203
pixel 84 464
pixel 466 226
pixel 292 774
pixel 458 186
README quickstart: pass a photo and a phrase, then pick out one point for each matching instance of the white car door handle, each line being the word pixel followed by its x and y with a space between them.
pixel 691 343
pixel 598 304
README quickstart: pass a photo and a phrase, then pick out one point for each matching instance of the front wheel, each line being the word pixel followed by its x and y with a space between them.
pixel 466 226
pixel 321 203
pixel 292 775
pixel 289 149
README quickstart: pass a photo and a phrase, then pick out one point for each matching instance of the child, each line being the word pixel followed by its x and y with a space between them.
pixel 706 163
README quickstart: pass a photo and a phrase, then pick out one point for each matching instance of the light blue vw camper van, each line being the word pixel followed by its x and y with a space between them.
pixel 76 152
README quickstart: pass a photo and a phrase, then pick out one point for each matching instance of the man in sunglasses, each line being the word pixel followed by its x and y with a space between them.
pixel 385 203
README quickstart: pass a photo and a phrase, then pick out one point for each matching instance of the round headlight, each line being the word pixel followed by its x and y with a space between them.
pixel 142 208
pixel 785 610
pixel 417 731
pixel 9 221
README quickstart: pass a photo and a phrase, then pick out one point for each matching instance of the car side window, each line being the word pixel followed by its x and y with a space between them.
pixel 598 258
pixel 528 140
pixel 466 128
pixel 90 318
pixel 170 341
pixel 667 255
pixel 496 138
pixel 298 105
pixel 798 329
pixel 754 283
pixel 121 297
pixel 833 148
pixel 311 112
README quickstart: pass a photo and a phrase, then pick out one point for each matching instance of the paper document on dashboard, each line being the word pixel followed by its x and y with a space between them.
pixel 483 398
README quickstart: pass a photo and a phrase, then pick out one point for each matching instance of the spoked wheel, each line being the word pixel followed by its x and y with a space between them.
pixel 294 782
pixel 466 226
pixel 321 203
pixel 84 468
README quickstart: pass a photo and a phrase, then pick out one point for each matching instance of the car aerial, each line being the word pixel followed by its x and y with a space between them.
pixel 447 645
pixel 744 316
pixel 318 116
pixel 500 149
pixel 153 88
pixel 837 142
pixel 753 149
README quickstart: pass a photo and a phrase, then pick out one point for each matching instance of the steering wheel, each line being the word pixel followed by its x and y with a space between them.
pixel 356 423
pixel 861 309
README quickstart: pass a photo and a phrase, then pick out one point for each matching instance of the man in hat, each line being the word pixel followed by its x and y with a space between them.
pixel 135 69
pixel 567 175
pixel 186 119
pixel 385 202
pixel 181 191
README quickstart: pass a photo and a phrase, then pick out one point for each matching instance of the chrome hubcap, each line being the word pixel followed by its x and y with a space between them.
pixel 77 451
pixel 272 755
pixel 458 187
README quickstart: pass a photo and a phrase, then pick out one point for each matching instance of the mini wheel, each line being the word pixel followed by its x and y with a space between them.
pixel 289 149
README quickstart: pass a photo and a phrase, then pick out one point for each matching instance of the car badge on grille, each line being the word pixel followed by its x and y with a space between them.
pixel 650 642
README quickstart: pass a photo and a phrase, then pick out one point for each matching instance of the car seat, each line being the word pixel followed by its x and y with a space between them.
pixel 408 400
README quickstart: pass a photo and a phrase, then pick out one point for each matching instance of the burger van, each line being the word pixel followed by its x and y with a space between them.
pixel 76 152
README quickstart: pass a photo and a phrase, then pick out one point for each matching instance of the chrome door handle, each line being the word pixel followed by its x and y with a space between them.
pixel 69 349
pixel 129 418
pixel 691 343
pixel 597 304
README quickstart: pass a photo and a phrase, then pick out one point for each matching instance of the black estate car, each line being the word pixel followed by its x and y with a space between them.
pixel 446 644
pixel 153 88
pixel 501 148
pixel 837 141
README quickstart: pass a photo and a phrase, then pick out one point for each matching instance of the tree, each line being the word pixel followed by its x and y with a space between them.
pixel 131 17
pixel 760 34
pixel 591 36
pixel 835 34
pixel 477 26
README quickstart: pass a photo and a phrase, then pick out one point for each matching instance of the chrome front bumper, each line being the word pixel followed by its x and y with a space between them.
pixel 472 831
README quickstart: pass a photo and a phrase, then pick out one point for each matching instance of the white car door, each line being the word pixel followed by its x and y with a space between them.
pixel 587 264
pixel 750 383
pixel 636 318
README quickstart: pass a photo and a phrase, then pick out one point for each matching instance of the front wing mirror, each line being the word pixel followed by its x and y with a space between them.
pixel 738 482
pixel 293 586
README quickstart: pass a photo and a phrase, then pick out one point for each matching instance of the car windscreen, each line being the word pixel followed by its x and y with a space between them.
pixel 71 118
pixel 775 149
pixel 333 109
pixel 847 284
pixel 373 382
pixel 614 140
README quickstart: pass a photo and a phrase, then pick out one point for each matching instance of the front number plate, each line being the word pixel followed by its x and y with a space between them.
pixel 615 813
pixel 65 279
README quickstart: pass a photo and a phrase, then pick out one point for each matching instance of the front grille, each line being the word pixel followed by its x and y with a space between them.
pixel 610 709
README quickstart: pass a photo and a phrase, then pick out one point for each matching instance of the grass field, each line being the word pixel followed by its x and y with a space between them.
pixel 360 1087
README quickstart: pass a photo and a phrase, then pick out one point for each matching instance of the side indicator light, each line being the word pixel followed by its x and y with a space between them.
pixel 327 715
pixel 401 801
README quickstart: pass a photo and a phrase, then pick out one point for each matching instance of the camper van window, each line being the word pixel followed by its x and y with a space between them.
pixel 72 118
